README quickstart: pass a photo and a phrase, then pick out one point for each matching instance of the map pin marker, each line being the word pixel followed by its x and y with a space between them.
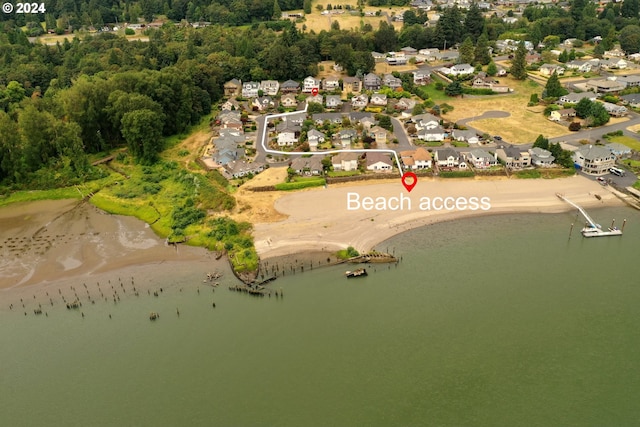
pixel 409 180
pixel 314 91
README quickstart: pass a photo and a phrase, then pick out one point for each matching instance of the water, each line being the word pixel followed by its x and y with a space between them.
pixel 496 321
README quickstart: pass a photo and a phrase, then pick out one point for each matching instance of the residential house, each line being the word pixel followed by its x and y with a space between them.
pixel 347 137
pixel 230 105
pixel 233 88
pixel 632 100
pixel 615 110
pixel 574 98
pixel 367 122
pixel 468 136
pixel 426 121
pixel 409 51
pixel 480 159
pixel 360 101
pixel 320 118
pixel 416 159
pixel 629 81
pixel 533 58
pixel 447 158
pixel 309 84
pixel 580 65
pixel 262 103
pixel 483 81
pixel 352 84
pixel 372 82
pixel 619 150
pixel 250 89
pixel 333 101
pixel 613 64
pixel 289 100
pixel 379 162
pixel 240 168
pixel 396 58
pixel 379 134
pixel 345 161
pixel 541 157
pixel 290 86
pixel 378 57
pixel 594 160
pixel 331 83
pixel 421 76
pixel 604 86
pixel 458 70
pixel 432 134
pixel 314 138
pixel 269 87
pixel 288 134
pixel 307 165
pixel 549 69
pixel 563 114
pixel 318 99
pixel 231 123
pixel 378 99
pixel 514 157
pixel 391 81
pixel 614 53
pixel 405 104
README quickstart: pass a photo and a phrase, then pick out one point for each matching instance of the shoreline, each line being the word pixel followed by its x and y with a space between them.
pixel 318 220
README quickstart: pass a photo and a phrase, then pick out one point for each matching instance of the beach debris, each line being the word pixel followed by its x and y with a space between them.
pixel 153 315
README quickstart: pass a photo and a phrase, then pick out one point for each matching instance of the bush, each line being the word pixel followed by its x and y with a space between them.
pixel 457 174
pixel 288 186
pixel 574 126
pixel 129 32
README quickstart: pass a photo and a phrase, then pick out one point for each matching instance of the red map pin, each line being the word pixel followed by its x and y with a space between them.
pixel 314 91
pixel 409 180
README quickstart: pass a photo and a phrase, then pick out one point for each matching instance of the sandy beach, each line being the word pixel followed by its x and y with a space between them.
pixel 319 219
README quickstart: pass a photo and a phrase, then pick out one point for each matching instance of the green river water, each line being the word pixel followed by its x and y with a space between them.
pixel 492 321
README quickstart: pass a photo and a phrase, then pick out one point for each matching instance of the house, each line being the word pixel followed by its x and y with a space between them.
pixel 345 161
pixel 604 86
pixel 416 159
pixel 447 157
pixel 549 69
pixel 409 51
pixel 269 87
pixel 372 82
pixel 315 137
pixel 379 99
pixel 320 118
pixel 514 157
pixel 240 168
pixel 462 70
pixel 483 81
pixel 619 150
pixel 309 84
pixel 262 103
pixel 290 87
pixel 465 135
pixel 352 84
pixel 480 159
pixel 574 98
pixel 580 66
pixel 379 162
pixel 233 88
pixel 378 57
pixel 391 81
pixel 230 105
pixel 614 53
pixel 396 58
pixel 367 122
pixel 318 99
pixel 379 134
pixel 632 100
pixel 347 137
pixel 629 81
pixel 289 100
pixel 541 157
pixel 615 110
pixel 405 104
pixel 421 76
pixel 533 58
pixel 307 165
pixel 563 114
pixel 288 133
pixel 250 89
pixel 432 134
pixel 426 121
pixel 331 83
pixel 594 160
pixel 613 64
pixel 333 101
pixel 360 101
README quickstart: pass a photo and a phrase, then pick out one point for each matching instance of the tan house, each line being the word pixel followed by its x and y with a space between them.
pixel 352 84
pixel 345 161
pixel 563 114
pixel 379 134
pixel 233 88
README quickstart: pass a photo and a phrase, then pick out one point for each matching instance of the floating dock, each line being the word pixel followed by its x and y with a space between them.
pixel 591 228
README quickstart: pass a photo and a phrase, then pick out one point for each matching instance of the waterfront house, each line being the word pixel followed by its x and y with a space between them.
pixel 514 157
pixel 379 162
pixel 307 165
pixel 541 157
pixel 619 150
pixel 480 159
pixel 594 160
pixel 345 161
pixel 447 158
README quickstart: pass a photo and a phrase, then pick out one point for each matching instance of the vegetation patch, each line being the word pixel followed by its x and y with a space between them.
pixel 350 252
pixel 456 174
pixel 300 184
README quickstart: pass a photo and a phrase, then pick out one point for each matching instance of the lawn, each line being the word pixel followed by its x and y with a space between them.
pixel 522 126
pixel 630 142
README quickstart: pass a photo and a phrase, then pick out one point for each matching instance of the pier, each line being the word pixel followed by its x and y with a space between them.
pixel 591 228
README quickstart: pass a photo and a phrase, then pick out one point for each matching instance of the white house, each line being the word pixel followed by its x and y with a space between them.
pixel 480 159
pixel 286 138
pixel 447 157
pixel 379 99
pixel 466 136
pixel 345 161
pixel 309 84
pixel 333 101
pixel 315 137
pixel 360 101
pixel 594 160
pixel 432 134
pixel 269 87
pixel 250 89
pixel 379 162
pixel 541 157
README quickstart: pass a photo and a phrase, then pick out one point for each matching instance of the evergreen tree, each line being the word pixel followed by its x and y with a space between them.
pixel 481 53
pixel 630 39
pixel 583 107
pixel 563 57
pixel 519 63
pixel 466 51
pixel 474 22
pixel 453 89
pixel 630 8
pixel 277 12
pixel 306 6
pixel 541 142
pixel 492 69
pixel 449 30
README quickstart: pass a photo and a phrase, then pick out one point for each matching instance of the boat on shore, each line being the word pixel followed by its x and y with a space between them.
pixel 360 272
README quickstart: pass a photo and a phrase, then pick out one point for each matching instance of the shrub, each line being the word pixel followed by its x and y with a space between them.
pixel 574 126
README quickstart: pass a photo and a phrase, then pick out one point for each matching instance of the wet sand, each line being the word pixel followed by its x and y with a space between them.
pixel 54 243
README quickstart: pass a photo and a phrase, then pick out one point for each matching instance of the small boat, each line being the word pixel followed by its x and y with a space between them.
pixel 590 231
pixel 360 272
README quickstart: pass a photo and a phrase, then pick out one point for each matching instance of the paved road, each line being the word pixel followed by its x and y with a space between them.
pixel 404 142
pixel 596 133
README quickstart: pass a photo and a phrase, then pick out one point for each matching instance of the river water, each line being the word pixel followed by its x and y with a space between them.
pixel 492 321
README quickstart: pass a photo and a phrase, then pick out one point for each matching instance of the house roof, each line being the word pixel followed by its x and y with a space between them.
pixel 290 84
pixel 235 82
pixel 633 98
pixel 479 153
pixel 616 147
pixel 593 152
pixel 376 156
pixel 345 156
pixel 316 133
pixel 311 163
pixel 422 154
pixel 445 153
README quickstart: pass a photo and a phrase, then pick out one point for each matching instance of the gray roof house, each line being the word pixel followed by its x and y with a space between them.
pixel 481 159
pixel 307 165
pixel 541 157
pixel 594 160
pixel 619 150
pixel 372 82
pixel 633 100
pixel 447 157
pixel 514 157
